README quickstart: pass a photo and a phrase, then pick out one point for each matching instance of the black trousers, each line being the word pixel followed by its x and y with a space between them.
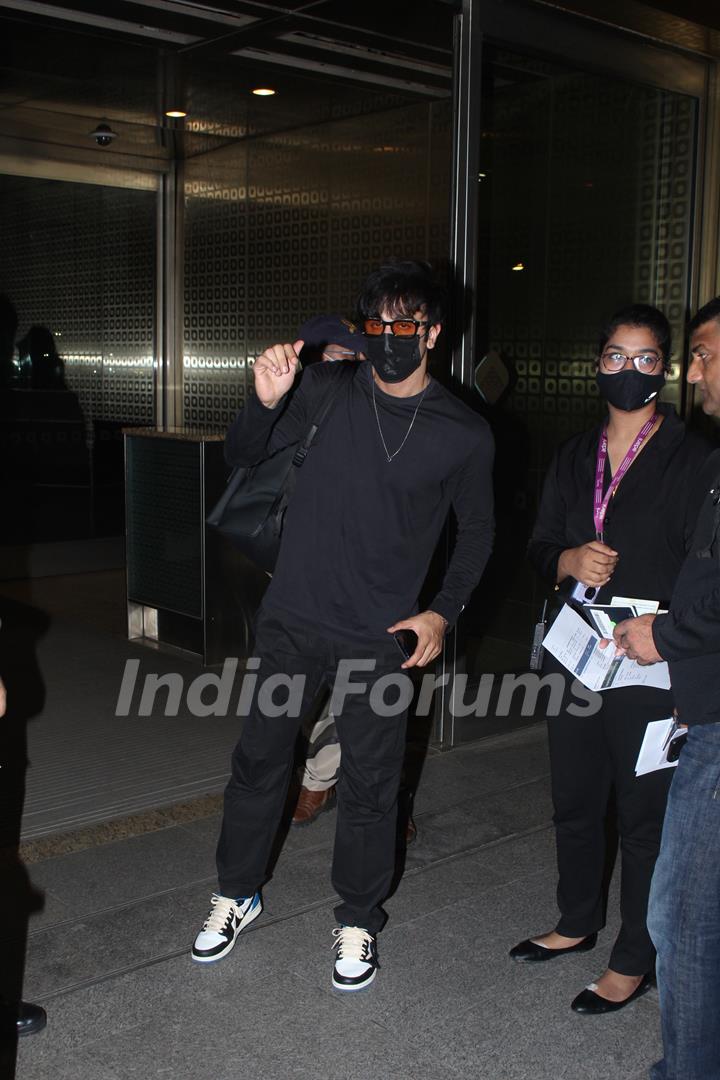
pixel 373 748
pixel 592 758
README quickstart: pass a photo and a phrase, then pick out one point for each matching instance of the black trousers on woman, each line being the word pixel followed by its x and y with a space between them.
pixel 373 747
pixel 592 760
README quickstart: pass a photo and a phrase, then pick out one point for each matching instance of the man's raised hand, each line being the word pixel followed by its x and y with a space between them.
pixel 274 372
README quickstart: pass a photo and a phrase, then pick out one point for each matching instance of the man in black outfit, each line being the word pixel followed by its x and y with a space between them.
pixel 684 910
pixel 394 454
pixel 17 1018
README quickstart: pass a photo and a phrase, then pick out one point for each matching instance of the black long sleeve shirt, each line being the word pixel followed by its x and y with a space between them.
pixel 651 517
pixel 688 637
pixel 360 530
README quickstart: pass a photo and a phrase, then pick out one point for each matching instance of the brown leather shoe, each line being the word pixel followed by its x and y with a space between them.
pixel 311 804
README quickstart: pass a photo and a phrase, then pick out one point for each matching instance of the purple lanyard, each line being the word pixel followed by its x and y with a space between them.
pixel 600 504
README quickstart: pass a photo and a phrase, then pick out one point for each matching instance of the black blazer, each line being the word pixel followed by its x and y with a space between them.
pixel 651 517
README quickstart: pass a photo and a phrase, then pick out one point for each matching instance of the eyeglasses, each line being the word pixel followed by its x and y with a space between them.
pixel 398 327
pixel 613 361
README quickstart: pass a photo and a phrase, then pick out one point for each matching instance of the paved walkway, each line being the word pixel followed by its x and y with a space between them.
pixel 109 957
pixel 108 954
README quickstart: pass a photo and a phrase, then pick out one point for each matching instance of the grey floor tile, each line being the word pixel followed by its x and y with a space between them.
pixel 125 869
pixel 111 940
pixel 439 962
pixel 504 762
pixel 541 1037
pixel 97 945
pixel 205 830
pixel 319 834
pixel 448 1004
pixel 232 1025
pixel 529 853
pixel 82 1065
pixel 444 782
pixel 54 910
pixel 483 820
pixel 434 888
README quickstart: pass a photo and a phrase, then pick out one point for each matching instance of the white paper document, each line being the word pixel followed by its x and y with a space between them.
pixel 641 607
pixel 653 752
pixel 577 647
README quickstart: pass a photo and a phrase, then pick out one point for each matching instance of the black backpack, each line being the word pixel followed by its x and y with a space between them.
pixel 251 511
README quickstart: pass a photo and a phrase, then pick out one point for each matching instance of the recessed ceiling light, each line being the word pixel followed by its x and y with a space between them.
pixel 263 91
pixel 175 114
pixel 519 266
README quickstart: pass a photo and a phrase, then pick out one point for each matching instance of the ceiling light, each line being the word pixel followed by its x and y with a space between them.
pixel 354 73
pixel 175 114
pixel 263 91
pixel 519 266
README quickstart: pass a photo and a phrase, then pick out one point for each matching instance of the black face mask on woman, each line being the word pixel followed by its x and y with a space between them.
pixel 629 390
pixel 394 358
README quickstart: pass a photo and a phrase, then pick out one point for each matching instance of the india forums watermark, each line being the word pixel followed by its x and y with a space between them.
pixel 237 690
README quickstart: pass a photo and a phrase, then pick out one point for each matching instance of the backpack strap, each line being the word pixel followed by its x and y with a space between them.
pixel 344 375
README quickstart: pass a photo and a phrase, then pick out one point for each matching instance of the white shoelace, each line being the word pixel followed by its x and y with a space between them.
pixel 223 908
pixel 352 943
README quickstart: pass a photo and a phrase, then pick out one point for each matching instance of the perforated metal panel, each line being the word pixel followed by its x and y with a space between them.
pixel 80 259
pixel 588 188
pixel 585 207
pixel 664 212
pixel 284 227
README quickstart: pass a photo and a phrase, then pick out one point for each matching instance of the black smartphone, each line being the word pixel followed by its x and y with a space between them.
pixel 673 750
pixel 406 642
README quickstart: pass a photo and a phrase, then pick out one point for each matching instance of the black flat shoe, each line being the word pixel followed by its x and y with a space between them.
pixel 30 1018
pixel 591 1004
pixel 530 951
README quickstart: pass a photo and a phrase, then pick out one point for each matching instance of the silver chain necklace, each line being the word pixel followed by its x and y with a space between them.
pixel 388 455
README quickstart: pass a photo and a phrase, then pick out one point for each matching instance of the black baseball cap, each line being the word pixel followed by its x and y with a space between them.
pixel 322 330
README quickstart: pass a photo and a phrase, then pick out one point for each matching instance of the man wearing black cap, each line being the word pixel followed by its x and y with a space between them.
pixel 17 1018
pixel 395 453
pixel 329 338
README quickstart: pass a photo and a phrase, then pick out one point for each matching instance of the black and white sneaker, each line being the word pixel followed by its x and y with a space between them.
pixel 356 962
pixel 222 926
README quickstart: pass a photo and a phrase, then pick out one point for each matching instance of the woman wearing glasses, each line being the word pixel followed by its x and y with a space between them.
pixel 615 519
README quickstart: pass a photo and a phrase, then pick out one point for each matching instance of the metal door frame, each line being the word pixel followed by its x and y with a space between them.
pixel 588 46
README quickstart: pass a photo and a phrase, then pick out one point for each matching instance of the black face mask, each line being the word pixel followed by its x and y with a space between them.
pixel 394 358
pixel 629 390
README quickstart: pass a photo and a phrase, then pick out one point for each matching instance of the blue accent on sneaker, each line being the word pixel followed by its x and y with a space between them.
pixel 221 928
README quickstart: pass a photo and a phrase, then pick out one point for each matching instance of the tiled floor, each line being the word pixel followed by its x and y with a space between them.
pixel 109 956
pixel 109 953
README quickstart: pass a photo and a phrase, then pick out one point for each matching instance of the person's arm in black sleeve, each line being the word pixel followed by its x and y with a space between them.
pixel 473 506
pixel 257 431
pixel 693 630
pixel 549 538
pixel 698 483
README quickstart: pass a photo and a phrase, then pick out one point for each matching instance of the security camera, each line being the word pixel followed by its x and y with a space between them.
pixel 103 134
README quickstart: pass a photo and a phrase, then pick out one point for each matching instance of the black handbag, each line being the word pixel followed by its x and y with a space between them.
pixel 251 511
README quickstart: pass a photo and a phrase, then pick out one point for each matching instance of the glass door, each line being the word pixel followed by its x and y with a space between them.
pixel 585 203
